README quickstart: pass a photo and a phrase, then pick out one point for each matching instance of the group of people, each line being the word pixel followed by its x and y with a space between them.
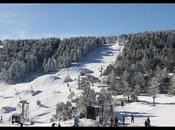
pixel 123 120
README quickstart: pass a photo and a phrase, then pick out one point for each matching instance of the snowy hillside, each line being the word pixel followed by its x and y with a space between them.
pixel 52 88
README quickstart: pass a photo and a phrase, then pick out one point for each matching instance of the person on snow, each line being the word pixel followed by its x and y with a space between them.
pixel 112 122
pixel 59 125
pixel 21 125
pixel 148 120
pixel 123 119
pixel 122 104
pixel 132 118
pixel 146 123
pixel 76 121
pixel 53 124
pixel 116 122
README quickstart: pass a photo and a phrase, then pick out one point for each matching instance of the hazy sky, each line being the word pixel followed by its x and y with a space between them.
pixel 66 20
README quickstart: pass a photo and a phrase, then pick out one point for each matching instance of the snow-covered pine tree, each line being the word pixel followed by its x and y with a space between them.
pixel 50 66
pixel 111 80
pixel 127 90
pixel 17 70
pixel 3 74
pixel 67 78
pixel 153 88
pixel 105 100
pixel 63 111
pixel 171 89
pixel 71 95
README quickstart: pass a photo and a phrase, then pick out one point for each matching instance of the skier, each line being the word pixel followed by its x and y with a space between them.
pixel 53 124
pixel 132 118
pixel 123 119
pixel 122 104
pixel 21 125
pixel 116 122
pixel 112 121
pixel 146 123
pixel 148 120
pixel 76 121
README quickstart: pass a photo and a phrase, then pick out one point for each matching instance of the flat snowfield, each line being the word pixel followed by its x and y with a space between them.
pixel 163 114
pixel 51 89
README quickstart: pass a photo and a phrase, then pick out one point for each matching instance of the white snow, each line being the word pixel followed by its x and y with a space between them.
pixel 160 115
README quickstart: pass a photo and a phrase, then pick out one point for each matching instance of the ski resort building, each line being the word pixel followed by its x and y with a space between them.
pixel 92 111
pixel 16 118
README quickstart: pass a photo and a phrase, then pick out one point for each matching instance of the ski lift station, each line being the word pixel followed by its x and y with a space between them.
pixel 21 117
pixel 16 118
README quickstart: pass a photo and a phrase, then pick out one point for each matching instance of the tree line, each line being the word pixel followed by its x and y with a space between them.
pixel 19 58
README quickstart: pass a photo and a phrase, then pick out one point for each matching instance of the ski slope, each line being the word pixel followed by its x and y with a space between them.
pixel 52 87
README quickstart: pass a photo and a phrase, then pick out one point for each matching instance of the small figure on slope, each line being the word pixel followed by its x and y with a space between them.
pixel 132 118
pixel 123 119
pixel 59 125
pixel 116 122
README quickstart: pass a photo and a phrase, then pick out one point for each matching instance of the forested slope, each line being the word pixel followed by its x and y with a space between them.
pixel 21 57
pixel 146 61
